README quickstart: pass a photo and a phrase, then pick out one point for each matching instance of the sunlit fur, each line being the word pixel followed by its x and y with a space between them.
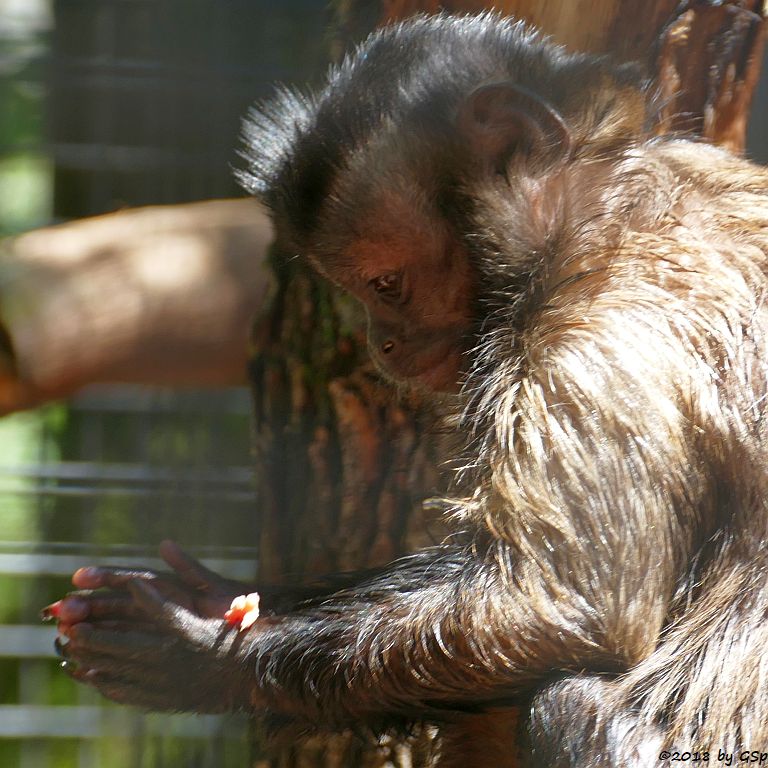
pixel 614 485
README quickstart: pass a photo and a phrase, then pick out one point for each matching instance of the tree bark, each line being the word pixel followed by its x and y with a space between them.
pixel 342 467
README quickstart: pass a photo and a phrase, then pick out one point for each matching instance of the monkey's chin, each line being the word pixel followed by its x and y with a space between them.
pixel 443 375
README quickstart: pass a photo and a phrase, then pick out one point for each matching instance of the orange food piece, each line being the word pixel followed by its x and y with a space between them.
pixel 244 611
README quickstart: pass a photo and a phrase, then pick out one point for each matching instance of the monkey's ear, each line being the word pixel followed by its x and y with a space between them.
pixel 503 118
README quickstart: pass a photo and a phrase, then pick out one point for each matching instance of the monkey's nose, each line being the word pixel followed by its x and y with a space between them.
pixel 387 346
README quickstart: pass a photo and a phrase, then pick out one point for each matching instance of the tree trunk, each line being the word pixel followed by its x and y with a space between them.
pixel 342 463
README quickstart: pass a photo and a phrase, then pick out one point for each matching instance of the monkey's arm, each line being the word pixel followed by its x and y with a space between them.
pixel 452 627
pixel 394 645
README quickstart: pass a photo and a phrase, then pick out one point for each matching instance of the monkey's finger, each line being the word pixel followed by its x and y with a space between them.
pixel 70 609
pixel 117 579
pixel 160 695
pixel 158 608
pixel 112 624
pixel 113 687
pixel 105 639
pixel 140 669
pixel 190 570
pixel 123 692
pixel 80 606
pixel 97 577
pixel 87 643
pixel 73 609
pixel 149 599
pixel 152 672
pixel 211 593
pixel 98 605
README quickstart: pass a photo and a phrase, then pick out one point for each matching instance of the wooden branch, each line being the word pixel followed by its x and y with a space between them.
pixel 160 295
pixel 708 64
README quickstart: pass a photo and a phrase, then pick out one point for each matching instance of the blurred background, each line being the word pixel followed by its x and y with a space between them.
pixel 108 104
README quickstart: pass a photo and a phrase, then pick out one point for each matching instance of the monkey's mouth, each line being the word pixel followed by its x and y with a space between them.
pixel 437 369
pixel 443 376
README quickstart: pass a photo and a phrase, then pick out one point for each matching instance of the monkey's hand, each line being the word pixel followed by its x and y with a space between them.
pixel 104 595
pixel 168 659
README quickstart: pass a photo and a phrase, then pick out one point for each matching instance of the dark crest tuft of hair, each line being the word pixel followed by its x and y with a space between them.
pixel 412 75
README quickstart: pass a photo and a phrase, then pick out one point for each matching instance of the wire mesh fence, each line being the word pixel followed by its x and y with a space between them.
pixel 102 481
pixel 106 104
pixel 146 97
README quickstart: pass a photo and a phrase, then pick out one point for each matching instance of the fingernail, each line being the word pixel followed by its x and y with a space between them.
pixel 51 611
pixel 73 609
pixel 60 645
pixel 85 578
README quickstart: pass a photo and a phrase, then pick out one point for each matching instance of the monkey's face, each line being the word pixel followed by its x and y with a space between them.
pixel 416 285
pixel 417 327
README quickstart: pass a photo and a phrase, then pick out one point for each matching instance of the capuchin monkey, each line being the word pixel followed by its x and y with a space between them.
pixel 594 298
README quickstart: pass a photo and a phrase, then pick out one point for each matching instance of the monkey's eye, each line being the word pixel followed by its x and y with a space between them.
pixel 388 287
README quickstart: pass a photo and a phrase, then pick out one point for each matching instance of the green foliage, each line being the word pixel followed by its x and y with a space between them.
pixel 25 174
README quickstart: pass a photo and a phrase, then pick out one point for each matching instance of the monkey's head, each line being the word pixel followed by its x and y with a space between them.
pixel 417 177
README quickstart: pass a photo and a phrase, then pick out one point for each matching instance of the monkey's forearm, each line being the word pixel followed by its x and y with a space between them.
pixel 294 595
pixel 436 632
